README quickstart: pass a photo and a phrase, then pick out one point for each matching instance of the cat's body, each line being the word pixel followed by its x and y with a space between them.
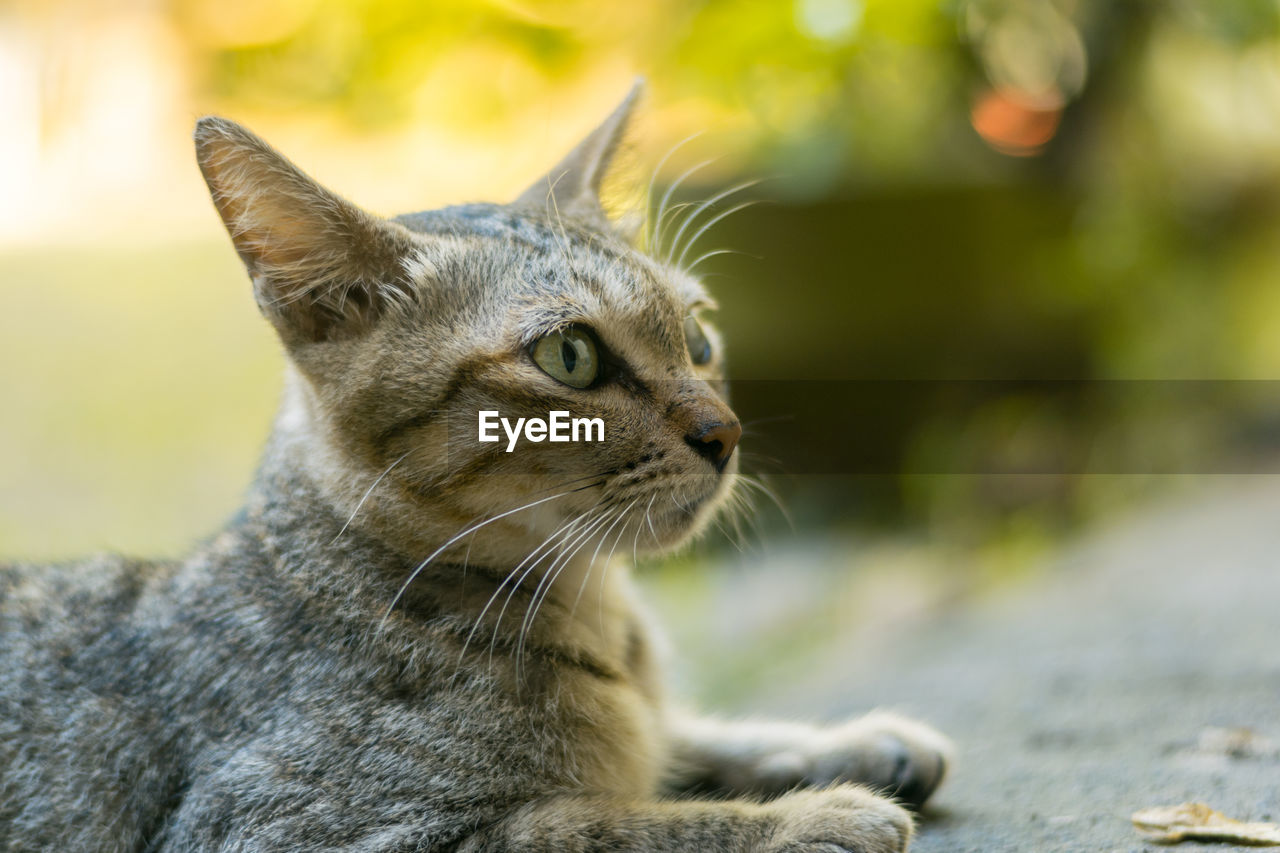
pixel 382 651
pixel 183 703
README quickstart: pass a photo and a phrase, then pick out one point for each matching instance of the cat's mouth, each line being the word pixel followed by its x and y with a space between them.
pixel 679 513
pixel 689 508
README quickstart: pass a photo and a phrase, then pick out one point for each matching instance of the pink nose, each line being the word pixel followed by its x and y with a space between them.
pixel 715 442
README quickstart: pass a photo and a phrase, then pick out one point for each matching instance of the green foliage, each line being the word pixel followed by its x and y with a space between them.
pixel 1031 189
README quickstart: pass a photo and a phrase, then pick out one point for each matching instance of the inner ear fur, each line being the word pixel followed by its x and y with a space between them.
pixel 322 268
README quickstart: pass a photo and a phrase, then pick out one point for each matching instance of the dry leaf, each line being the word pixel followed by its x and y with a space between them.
pixel 1198 822
pixel 1239 742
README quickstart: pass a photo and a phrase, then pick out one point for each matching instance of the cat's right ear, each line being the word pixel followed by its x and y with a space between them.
pixel 322 268
pixel 573 186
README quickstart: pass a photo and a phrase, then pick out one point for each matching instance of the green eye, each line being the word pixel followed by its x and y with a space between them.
pixel 569 356
pixel 696 340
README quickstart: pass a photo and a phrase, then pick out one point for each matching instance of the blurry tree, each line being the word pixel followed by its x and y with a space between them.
pixel 1026 190
pixel 1018 189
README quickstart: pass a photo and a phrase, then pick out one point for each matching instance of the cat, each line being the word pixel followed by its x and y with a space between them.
pixel 408 639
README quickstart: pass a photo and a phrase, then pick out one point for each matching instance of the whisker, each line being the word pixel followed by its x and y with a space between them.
pixel 472 529
pixel 758 460
pixel 553 570
pixel 604 575
pixel 741 507
pixel 693 241
pixel 552 204
pixel 549 579
pixel 569 528
pixel 715 519
pixel 652 533
pixel 759 485
pixel 592 565
pixel 692 217
pixel 567 549
pixel 498 591
pixel 671 212
pixel 608 473
pixel 635 545
pixel 705 256
pixel 666 197
pixel 653 177
pixel 368 492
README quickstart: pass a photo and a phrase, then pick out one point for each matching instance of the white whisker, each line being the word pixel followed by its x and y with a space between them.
pixel 592 565
pixel 557 565
pixel 762 488
pixel 692 217
pixel 564 531
pixel 604 574
pixel 652 533
pixel 368 492
pixel 666 197
pixel 568 542
pixel 653 178
pixel 472 529
pixel 475 626
pixel 544 587
pixel 693 241
pixel 708 255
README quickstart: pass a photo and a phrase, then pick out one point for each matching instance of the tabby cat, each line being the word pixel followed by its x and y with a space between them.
pixel 409 639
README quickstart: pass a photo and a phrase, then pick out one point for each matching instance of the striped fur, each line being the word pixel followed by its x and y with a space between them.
pixel 409 640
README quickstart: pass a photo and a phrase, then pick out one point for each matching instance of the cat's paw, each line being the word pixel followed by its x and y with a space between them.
pixel 841 819
pixel 896 756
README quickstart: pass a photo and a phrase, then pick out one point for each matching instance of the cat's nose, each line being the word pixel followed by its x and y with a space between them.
pixel 715 442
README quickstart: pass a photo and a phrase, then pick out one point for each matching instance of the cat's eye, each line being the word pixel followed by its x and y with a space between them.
pixel 696 339
pixel 569 355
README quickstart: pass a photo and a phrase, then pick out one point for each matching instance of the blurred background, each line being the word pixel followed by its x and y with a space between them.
pixel 1012 272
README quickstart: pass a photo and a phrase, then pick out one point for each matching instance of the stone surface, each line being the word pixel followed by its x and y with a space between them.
pixel 1085 694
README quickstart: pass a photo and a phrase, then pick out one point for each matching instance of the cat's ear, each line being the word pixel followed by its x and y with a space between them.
pixel 573 186
pixel 322 268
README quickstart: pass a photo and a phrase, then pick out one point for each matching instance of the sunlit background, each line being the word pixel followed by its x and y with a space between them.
pixel 952 190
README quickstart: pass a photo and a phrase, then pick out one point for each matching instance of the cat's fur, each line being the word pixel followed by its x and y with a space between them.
pixel 262 694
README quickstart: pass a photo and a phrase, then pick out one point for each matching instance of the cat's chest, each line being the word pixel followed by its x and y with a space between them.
pixel 613 734
pixel 607 717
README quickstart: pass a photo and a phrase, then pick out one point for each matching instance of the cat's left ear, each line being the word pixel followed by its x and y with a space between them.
pixel 572 188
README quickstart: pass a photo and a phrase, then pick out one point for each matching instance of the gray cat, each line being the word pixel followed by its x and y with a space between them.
pixel 410 639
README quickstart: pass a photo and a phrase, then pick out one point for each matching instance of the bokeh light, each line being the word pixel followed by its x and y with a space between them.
pixel 979 189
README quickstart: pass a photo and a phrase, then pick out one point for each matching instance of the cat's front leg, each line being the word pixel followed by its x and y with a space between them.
pixel 268 799
pixel 897 756
pixel 841 819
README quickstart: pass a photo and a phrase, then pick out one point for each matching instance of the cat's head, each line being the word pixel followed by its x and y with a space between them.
pixel 401 332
